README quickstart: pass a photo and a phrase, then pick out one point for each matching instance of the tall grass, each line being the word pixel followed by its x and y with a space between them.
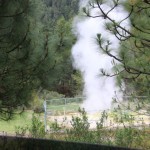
pixel 23 119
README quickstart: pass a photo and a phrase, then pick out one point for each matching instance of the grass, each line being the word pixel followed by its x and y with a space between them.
pixel 25 118
pixel 73 107
pixel 18 120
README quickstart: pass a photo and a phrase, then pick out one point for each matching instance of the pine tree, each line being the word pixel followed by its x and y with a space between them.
pixel 21 52
pixel 58 21
pixel 35 44
pixel 135 43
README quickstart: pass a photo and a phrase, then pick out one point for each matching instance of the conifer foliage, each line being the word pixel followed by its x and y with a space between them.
pixel 35 44
pixel 135 42
pixel 20 52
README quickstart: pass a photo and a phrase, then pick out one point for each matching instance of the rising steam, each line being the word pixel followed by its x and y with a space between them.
pixel 89 59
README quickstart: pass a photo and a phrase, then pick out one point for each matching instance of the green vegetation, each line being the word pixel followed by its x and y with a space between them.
pixel 35 65
pixel 20 51
pixel 117 128
pixel 72 107
pixel 23 119
pixel 133 57
pixel 35 43
pixel 123 133
pixel 64 105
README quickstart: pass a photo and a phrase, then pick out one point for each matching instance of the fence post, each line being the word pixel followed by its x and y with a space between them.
pixel 45 115
pixel 65 108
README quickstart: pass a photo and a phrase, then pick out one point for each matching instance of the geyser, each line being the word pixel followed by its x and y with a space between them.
pixel 89 59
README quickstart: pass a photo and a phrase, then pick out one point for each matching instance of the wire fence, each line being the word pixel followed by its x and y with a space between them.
pixel 64 109
pixel 60 108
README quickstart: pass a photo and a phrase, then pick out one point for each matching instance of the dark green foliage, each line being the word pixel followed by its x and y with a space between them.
pixel 38 109
pixel 21 52
pixel 34 50
pixel 135 51
pixel 57 19
pixel 62 8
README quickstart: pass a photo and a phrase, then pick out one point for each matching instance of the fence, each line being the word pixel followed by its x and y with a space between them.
pixel 58 109
pixel 21 143
pixel 61 107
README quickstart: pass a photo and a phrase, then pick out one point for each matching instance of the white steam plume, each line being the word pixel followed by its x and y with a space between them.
pixel 89 59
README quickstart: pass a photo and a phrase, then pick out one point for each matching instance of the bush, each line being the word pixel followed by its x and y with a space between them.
pixel 37 104
pixel 21 131
pixel 48 95
pixel 38 109
pixel 37 128
pixel 80 129
pixel 121 132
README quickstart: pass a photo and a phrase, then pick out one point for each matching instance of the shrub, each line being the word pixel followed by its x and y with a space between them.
pixel 37 128
pixel 20 130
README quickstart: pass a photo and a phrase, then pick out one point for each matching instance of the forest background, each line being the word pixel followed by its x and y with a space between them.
pixel 35 64
pixel 35 52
